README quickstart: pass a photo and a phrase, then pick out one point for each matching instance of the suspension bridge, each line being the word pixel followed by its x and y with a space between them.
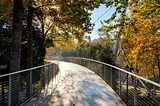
pixel 74 81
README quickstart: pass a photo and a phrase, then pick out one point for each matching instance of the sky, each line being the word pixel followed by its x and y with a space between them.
pixel 96 13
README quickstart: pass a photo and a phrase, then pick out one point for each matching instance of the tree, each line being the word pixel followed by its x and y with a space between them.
pixel 15 52
pixel 137 23
pixel 6 7
pixel 142 35
pixel 61 19
pixel 100 50
pixel 115 24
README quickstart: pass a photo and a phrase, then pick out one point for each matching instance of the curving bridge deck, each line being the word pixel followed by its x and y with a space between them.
pixel 76 85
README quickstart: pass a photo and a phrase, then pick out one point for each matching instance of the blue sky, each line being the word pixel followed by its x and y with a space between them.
pixel 96 13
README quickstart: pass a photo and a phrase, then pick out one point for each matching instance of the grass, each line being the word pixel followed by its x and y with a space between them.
pixel 140 91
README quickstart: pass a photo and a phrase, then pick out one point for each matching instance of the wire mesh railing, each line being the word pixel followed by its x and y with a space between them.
pixel 18 87
pixel 133 89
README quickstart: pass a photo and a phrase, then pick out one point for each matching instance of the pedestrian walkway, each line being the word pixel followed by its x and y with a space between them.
pixel 76 85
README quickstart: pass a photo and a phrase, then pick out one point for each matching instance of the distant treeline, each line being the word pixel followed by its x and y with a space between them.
pixel 102 51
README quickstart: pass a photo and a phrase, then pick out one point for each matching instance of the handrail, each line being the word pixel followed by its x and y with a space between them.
pixel 17 88
pixel 21 71
pixel 146 80
pixel 132 88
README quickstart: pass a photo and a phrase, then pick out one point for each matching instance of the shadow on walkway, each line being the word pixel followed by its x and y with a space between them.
pixel 76 86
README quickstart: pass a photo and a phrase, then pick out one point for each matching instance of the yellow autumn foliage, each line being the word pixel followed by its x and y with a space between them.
pixel 141 38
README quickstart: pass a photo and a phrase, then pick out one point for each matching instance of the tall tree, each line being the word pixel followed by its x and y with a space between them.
pixel 30 37
pixel 115 24
pixel 137 22
pixel 15 52
pixel 16 37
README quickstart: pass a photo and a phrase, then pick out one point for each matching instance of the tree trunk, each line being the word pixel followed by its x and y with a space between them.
pixel 15 53
pixel 30 38
pixel 158 68
pixel 43 40
pixel 29 50
pixel 42 50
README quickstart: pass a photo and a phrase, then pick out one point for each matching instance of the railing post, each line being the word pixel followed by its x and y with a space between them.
pixel 80 62
pixel 30 83
pixel 42 73
pixel 53 78
pixel 120 83
pixel 52 74
pixel 2 90
pixel 84 63
pixel 52 70
pixel 127 89
pixel 9 91
pixel 48 72
pixel 104 73
pixel 111 84
pixel 135 92
pixel 101 70
pixel 55 72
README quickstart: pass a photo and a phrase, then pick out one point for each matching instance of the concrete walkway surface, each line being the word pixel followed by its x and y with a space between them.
pixel 76 85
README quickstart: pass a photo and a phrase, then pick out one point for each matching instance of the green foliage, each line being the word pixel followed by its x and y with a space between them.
pixel 100 50
pixel 5 39
pixel 63 20
pixel 6 8
pixel 115 24
pixel 67 19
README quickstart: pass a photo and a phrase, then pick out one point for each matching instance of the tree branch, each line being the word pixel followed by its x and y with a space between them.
pixel 2 16
pixel 51 4
pixel 45 34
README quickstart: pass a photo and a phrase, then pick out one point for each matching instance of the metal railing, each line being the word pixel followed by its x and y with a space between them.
pixel 134 90
pixel 19 87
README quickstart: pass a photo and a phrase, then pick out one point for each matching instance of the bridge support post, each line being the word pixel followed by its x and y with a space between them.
pixel 135 92
pixel 104 69
pixel 48 74
pixel 55 73
pixel 52 73
pixel 101 71
pixel 127 89
pixel 80 62
pixel 43 77
pixel 9 91
pixel 30 83
pixel 111 84
pixel 120 83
